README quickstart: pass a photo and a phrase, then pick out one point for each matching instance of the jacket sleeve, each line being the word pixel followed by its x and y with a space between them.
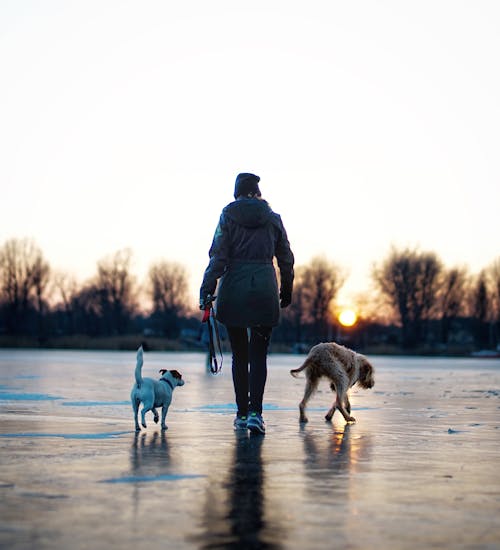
pixel 285 258
pixel 219 253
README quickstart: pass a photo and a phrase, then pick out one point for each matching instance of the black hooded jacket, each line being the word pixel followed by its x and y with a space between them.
pixel 249 235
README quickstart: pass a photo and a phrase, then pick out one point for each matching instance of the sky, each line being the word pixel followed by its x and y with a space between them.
pixel 372 124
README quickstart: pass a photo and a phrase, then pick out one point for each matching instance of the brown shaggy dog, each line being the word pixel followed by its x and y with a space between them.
pixel 343 367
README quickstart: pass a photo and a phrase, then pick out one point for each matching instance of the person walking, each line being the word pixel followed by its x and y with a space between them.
pixel 248 237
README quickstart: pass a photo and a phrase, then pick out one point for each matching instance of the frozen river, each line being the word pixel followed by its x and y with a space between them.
pixel 419 469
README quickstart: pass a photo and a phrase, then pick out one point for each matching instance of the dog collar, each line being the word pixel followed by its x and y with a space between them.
pixel 167 382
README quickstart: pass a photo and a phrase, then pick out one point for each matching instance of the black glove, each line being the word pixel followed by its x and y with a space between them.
pixel 206 301
pixel 285 299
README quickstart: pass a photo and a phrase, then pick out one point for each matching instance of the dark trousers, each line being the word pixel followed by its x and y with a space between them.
pixel 249 349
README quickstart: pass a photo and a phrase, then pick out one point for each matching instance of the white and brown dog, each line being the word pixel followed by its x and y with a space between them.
pixel 153 393
pixel 343 367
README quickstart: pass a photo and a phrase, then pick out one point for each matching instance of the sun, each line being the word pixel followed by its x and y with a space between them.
pixel 347 317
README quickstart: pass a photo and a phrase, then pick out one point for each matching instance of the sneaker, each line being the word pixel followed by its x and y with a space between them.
pixel 240 422
pixel 256 424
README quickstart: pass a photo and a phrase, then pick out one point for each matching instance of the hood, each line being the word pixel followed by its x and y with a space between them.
pixel 249 212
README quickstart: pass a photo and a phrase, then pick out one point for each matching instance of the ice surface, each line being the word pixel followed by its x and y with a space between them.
pixel 419 468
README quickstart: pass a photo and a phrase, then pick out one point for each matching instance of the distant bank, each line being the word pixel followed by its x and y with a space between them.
pixel 132 341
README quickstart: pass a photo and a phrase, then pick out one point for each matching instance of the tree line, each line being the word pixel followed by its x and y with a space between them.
pixel 415 301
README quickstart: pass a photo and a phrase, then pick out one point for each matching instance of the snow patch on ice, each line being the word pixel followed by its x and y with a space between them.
pixel 66 436
pixel 148 479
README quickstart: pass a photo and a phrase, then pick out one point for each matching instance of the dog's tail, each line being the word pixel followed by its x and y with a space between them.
pixel 305 364
pixel 138 367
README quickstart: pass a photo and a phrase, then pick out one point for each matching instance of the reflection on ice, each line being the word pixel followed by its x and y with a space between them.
pixel 329 461
pixel 234 514
pixel 150 454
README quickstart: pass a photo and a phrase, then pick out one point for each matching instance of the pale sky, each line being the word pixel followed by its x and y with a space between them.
pixel 371 123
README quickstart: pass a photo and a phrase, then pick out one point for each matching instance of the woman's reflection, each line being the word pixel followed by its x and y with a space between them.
pixel 242 522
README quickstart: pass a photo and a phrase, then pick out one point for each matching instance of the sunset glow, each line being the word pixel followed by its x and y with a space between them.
pixel 347 318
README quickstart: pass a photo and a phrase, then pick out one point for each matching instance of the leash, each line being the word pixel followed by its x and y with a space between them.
pixel 213 339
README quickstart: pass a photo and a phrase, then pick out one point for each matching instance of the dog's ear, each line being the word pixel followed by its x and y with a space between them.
pixel 176 374
pixel 162 371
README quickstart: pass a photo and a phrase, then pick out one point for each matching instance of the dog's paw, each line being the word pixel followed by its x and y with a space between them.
pixel 165 427
pixel 156 418
pixel 303 420
pixel 328 417
pixel 351 419
pixel 144 425
pixel 137 428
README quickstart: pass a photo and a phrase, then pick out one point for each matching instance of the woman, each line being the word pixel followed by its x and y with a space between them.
pixel 249 235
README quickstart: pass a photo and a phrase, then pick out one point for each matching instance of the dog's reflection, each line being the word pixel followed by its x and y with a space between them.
pixel 330 461
pixel 149 455
pixel 332 452
pixel 236 517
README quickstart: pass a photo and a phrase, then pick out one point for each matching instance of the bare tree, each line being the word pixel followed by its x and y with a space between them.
pixel 24 276
pixel 408 279
pixel 86 311
pixel 451 298
pixel 493 272
pixel 319 284
pixel 117 291
pixel 169 291
pixel 482 310
pixel 65 289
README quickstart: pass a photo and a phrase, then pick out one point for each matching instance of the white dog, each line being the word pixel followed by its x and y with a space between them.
pixel 153 393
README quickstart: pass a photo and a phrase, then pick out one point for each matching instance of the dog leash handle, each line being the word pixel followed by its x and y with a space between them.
pixel 206 315
pixel 209 318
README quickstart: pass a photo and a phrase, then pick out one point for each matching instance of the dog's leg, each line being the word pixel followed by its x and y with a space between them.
pixel 135 407
pixel 311 386
pixel 143 417
pixel 164 411
pixel 341 386
pixel 330 413
pixel 345 410
pixel 155 415
pixel 146 406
